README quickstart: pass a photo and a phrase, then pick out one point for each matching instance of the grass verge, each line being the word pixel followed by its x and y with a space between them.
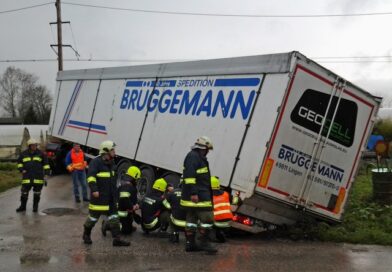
pixel 365 221
pixel 9 176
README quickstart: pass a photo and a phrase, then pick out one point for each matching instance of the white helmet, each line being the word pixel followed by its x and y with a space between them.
pixel 106 147
pixel 203 142
pixel 32 141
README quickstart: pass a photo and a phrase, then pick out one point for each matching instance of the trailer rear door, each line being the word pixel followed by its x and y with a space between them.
pixel 311 159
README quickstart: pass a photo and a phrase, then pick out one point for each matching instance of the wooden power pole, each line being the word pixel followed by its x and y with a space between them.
pixel 59 36
pixel 59 44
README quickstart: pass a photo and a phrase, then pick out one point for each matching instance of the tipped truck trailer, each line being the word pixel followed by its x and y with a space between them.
pixel 288 133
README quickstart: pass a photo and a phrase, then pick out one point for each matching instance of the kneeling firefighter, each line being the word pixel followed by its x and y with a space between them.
pixel 222 202
pixel 101 178
pixel 127 201
pixel 177 215
pixel 155 208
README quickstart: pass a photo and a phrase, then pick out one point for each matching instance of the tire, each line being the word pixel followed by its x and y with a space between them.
pixel 121 170
pixel 172 178
pixel 144 184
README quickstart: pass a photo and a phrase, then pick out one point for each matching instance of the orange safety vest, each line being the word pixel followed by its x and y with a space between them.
pixel 78 162
pixel 222 207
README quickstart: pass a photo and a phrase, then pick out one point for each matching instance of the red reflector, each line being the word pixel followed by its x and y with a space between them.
pixel 243 219
pixel 50 154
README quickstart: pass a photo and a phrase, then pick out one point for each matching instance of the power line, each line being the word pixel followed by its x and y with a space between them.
pixel 345 60
pixel 24 8
pixel 230 15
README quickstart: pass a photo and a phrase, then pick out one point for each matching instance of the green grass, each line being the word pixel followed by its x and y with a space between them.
pixel 9 176
pixel 365 221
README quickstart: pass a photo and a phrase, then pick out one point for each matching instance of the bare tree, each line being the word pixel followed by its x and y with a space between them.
pixel 20 95
pixel 27 83
pixel 42 103
pixel 10 91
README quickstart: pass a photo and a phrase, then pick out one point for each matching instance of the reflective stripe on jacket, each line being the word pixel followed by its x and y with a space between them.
pixel 151 208
pixel 78 162
pixel 35 164
pixel 75 160
pixel 222 207
pixel 196 181
pixel 101 178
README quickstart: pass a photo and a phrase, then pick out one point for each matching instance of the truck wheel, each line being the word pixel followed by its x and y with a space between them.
pixel 121 170
pixel 144 184
pixel 172 178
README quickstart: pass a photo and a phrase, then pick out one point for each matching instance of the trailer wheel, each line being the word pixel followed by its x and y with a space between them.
pixel 121 170
pixel 172 178
pixel 144 184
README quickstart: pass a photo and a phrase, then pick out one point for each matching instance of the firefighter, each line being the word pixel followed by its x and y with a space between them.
pixel 33 164
pixel 127 201
pixel 155 208
pixel 76 164
pixel 101 178
pixel 196 196
pixel 177 215
pixel 222 202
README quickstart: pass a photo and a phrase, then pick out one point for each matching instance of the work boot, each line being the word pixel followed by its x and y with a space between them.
pixel 35 202
pixel 205 244
pixel 23 202
pixel 77 199
pixel 87 236
pixel 174 237
pixel 104 227
pixel 190 244
pixel 117 242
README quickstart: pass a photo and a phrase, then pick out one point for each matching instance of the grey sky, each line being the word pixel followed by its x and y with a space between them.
pixel 111 34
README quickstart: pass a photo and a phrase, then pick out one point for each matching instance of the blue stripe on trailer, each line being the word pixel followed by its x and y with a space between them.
pixel 236 82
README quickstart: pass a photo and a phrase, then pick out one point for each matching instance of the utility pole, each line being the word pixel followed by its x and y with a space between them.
pixel 59 36
pixel 59 44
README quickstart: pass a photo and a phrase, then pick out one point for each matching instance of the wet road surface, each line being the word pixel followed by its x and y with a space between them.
pixel 52 242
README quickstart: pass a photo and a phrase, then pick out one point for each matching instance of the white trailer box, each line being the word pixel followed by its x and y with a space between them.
pixel 287 132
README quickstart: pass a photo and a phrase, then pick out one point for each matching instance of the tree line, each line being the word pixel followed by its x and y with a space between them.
pixel 21 96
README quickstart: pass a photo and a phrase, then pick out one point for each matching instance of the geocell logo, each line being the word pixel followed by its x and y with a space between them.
pixel 311 110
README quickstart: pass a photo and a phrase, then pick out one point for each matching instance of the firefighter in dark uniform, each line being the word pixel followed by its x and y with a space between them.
pixel 155 208
pixel 177 215
pixel 197 196
pixel 127 201
pixel 101 178
pixel 33 164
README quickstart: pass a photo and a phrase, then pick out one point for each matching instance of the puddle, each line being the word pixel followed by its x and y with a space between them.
pixel 60 211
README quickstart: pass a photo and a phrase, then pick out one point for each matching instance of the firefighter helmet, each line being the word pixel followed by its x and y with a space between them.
pixel 203 142
pixel 32 141
pixel 160 185
pixel 215 183
pixel 106 147
pixel 134 172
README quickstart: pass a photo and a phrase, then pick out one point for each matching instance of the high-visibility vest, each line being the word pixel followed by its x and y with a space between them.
pixel 77 158
pixel 222 208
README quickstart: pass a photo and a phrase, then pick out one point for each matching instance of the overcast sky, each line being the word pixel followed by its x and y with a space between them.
pixel 114 34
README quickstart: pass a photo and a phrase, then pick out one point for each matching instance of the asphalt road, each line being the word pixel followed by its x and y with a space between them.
pixel 52 242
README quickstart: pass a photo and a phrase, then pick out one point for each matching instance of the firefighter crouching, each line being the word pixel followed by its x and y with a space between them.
pixel 177 215
pixel 155 208
pixel 127 201
pixel 222 202
pixel 101 178
pixel 197 196
pixel 33 164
